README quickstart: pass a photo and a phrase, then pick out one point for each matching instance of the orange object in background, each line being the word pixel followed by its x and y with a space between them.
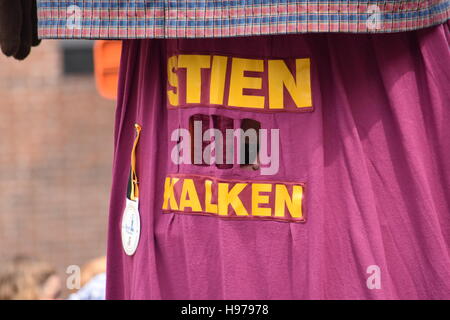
pixel 106 65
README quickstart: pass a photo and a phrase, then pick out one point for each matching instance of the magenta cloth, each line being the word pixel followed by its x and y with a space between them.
pixel 374 155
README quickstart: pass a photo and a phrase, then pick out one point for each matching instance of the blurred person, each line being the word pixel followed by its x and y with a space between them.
pixel 93 281
pixel 94 289
pixel 28 278
pixel 370 152
pixel 92 268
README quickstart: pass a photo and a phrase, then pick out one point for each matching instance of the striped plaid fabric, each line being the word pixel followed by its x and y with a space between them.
pixel 128 19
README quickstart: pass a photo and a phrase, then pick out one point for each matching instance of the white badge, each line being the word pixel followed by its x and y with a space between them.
pixel 131 227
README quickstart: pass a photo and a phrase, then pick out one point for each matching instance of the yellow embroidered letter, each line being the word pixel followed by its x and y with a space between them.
pixel 231 197
pixel 189 196
pixel 239 82
pixel 209 207
pixel 169 194
pixel 299 89
pixel 172 78
pixel 194 65
pixel 218 74
pixel 258 199
pixel 283 199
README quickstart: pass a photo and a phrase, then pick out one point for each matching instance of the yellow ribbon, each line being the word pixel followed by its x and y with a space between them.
pixel 134 179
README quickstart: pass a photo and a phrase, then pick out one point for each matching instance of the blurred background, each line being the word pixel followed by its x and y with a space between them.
pixel 56 143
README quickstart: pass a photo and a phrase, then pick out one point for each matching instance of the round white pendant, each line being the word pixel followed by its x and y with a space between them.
pixel 131 227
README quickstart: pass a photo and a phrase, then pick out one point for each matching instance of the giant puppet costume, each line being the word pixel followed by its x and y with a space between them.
pixel 276 149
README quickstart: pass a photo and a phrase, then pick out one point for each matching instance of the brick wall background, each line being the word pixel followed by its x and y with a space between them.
pixel 56 139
